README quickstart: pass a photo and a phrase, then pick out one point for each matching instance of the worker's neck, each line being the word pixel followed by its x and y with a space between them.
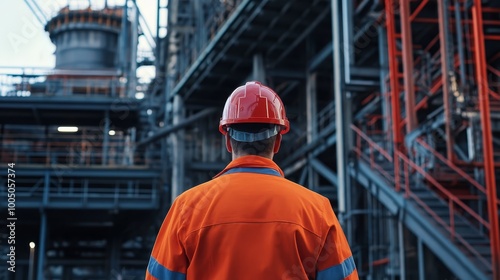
pixel 238 155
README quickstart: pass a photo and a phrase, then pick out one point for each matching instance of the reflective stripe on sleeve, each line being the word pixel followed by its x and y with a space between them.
pixel 162 273
pixel 339 271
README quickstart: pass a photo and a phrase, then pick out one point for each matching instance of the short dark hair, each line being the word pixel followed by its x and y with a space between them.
pixel 257 148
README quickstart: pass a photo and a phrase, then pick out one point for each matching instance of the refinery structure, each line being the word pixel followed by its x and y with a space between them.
pixel 394 108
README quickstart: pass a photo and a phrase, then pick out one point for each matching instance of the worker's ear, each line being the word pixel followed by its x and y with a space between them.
pixel 228 144
pixel 277 144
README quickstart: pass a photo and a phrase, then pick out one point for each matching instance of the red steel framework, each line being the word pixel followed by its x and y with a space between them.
pixel 401 79
pixel 484 108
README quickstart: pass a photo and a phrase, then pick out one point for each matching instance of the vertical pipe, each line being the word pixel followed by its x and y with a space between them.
pixel 484 107
pixel 312 125
pixel 157 39
pixel 421 264
pixel 402 268
pixel 311 107
pixel 41 242
pixel 383 61
pixel 124 39
pixel 178 150
pixel 445 69
pixel 338 79
pixel 133 53
pixel 406 35
pixel 259 71
pixel 393 246
pixel 105 142
pixel 460 45
pixel 394 82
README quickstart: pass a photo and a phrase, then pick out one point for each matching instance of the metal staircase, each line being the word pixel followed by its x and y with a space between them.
pixel 450 227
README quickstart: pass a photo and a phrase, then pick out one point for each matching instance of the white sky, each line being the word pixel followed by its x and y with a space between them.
pixel 23 41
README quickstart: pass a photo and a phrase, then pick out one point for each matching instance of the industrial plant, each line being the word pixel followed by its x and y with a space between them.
pixel 394 109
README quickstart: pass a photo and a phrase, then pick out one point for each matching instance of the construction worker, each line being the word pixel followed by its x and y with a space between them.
pixel 249 222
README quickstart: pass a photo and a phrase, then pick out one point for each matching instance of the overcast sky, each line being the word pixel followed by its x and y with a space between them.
pixel 23 41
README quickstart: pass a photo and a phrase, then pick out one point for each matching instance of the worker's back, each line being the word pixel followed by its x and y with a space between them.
pixel 251 223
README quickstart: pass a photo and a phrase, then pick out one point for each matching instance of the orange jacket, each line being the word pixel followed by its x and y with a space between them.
pixel 251 223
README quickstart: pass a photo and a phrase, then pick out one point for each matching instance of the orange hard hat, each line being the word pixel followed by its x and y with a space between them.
pixel 254 103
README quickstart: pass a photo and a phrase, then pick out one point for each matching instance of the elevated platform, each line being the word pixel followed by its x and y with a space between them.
pixel 69 110
pixel 82 188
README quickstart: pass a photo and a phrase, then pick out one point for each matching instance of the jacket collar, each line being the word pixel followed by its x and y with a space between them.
pixel 252 161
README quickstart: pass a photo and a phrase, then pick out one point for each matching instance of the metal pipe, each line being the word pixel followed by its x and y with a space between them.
pixel 133 58
pixel 178 149
pixel 338 80
pixel 41 242
pixel 105 142
pixel 484 108
pixel 394 76
pixel 406 36
pixel 420 256
pixel 443 21
pixel 460 45
pixel 402 268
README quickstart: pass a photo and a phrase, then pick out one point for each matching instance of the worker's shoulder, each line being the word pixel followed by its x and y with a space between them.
pixel 301 191
pixel 205 189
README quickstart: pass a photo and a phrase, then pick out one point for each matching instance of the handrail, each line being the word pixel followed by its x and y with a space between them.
pixel 452 166
pixel 452 199
pixel 448 194
pixel 375 145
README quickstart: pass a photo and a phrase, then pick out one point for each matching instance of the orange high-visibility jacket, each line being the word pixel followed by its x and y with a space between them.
pixel 251 223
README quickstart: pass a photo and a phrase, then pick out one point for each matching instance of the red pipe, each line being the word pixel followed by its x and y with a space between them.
pixel 394 85
pixel 406 35
pixel 484 108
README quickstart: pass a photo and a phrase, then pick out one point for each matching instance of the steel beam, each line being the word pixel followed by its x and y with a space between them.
pixel 324 171
pixel 178 149
pixel 484 107
pixel 177 126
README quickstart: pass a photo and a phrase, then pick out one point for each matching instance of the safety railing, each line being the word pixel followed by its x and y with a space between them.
pixel 42 82
pixel 377 157
pixel 73 150
pixel 71 193
pixel 368 150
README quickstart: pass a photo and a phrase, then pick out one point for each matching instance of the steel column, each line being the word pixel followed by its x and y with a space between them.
pixel 132 80
pixel 259 73
pixel 406 36
pixel 484 107
pixel 178 148
pixel 105 142
pixel 41 244
pixel 340 99
pixel 394 82
pixel 420 255
pixel 312 125
pixel 402 268
pixel 444 40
